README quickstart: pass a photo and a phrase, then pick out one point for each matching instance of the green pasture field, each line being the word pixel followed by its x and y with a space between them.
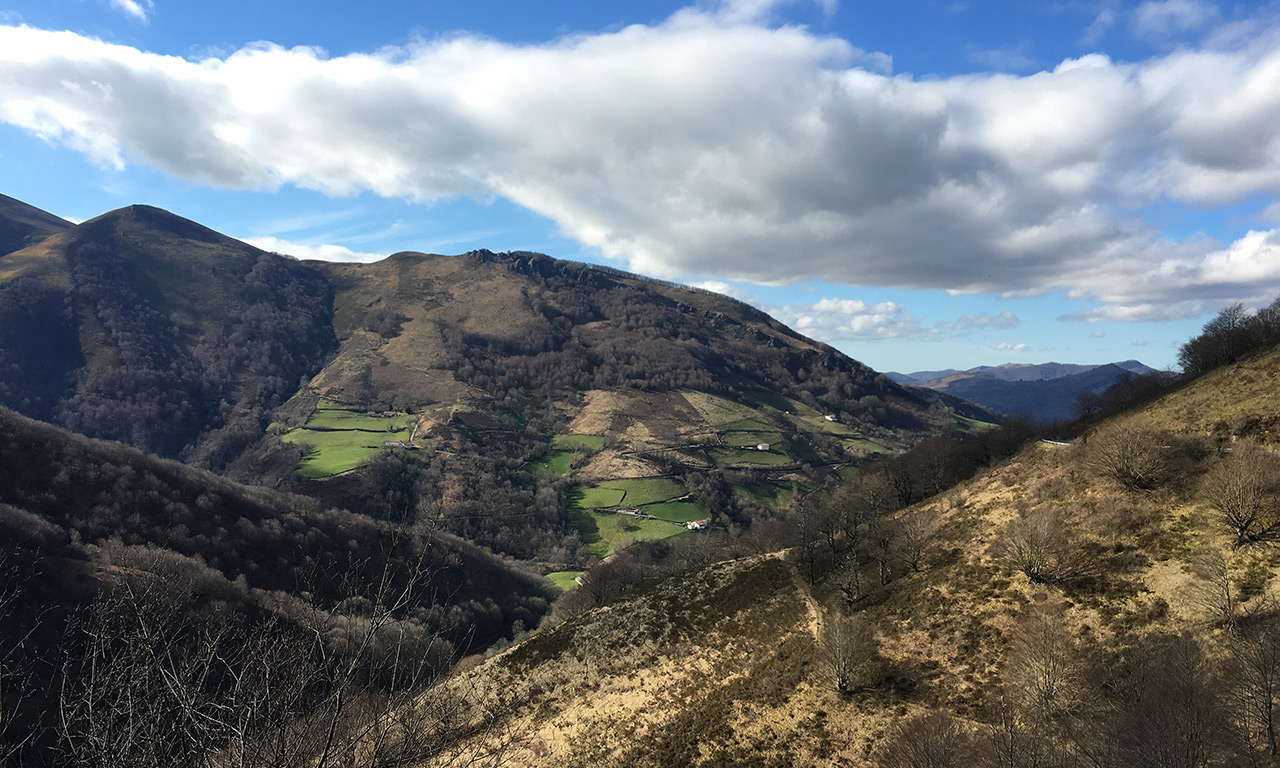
pixel 771 493
pixel 565 579
pixel 342 419
pixel 753 424
pixel 863 447
pixel 678 511
pixel 751 439
pixel 334 452
pixel 579 443
pixel 555 462
pixel 647 491
pixel 601 533
pixel 347 439
pixel 973 426
pixel 588 497
pixel 724 456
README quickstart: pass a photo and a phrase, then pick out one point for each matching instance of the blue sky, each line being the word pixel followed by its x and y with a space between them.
pixel 922 184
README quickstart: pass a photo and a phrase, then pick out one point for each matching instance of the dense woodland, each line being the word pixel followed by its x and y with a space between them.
pixel 154 382
pixel 83 520
pixel 641 338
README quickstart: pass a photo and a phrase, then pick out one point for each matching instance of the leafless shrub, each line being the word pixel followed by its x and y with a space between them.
pixel 1244 488
pixel 1213 591
pixel 1041 546
pixel 1132 453
pixel 931 740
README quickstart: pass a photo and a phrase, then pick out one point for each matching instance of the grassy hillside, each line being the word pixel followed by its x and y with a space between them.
pixel 1075 601
pixel 22 225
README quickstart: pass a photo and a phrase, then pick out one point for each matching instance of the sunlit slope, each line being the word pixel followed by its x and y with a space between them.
pixel 721 665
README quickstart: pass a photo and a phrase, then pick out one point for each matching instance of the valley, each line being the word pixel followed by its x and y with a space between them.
pixel 555 514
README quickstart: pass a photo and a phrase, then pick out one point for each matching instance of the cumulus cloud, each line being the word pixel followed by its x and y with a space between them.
pixel 853 320
pixel 714 143
pixel 138 9
pixel 1007 347
pixel 323 252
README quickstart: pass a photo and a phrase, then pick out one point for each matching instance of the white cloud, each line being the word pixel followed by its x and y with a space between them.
pixel 138 9
pixel 712 143
pixel 1097 334
pixel 852 320
pixel 1007 347
pixel 1102 23
pixel 1140 342
pixel 1163 18
pixel 323 252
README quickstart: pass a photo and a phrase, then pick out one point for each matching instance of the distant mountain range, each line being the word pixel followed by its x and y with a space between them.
pixel 1045 391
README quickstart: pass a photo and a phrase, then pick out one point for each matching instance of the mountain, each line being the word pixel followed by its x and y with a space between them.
pixel 144 327
pixel 1054 609
pixel 22 225
pixel 1044 391
pixel 530 387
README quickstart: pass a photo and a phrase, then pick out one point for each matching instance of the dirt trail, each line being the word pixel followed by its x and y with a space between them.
pixel 815 611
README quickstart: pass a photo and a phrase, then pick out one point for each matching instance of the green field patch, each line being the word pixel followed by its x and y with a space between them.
pixel 769 399
pixel 565 579
pixel 753 424
pixel 849 473
pixel 973 426
pixel 342 419
pixel 771 493
pixel 555 462
pixel 647 491
pixel 581 443
pixel 589 497
pixel 862 447
pixel 751 439
pixel 727 456
pixel 333 451
pixel 342 439
pixel 605 532
pixel 678 511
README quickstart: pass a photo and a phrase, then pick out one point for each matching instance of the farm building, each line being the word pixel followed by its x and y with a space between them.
pixel 762 447
pixel 830 417
pixel 697 525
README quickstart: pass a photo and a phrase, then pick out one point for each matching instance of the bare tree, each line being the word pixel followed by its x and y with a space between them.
pixel 163 675
pixel 1253 688
pixel 1213 591
pixel 1045 671
pixel 931 740
pixel 1243 489
pixel 1131 453
pixel 1040 545
pixel 849 654
pixel 916 530
pixel 1087 404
